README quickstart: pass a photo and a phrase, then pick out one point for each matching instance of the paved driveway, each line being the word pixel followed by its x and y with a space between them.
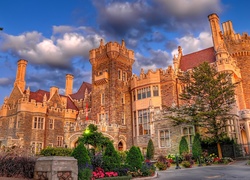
pixel 236 171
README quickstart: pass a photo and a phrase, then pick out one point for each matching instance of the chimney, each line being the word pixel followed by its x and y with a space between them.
pixel 20 74
pixel 69 84
pixel 53 90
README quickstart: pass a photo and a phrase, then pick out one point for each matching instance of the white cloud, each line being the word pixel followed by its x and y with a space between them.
pixel 191 44
pixel 54 51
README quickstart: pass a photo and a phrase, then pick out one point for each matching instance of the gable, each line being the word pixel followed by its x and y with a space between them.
pixel 15 95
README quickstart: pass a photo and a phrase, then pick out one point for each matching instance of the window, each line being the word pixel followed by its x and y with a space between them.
pixel 123 118
pixel 188 133
pixel 38 123
pixel 104 117
pixel 135 123
pixel 123 98
pixel 143 93
pixel 144 122
pixel 11 122
pixel 155 91
pixel 164 137
pixel 51 123
pixel 102 99
pixel 18 124
pixel 124 76
pixel 59 141
pixel 36 147
pixel 119 74
pixel 50 145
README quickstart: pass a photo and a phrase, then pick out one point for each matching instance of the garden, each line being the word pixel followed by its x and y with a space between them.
pixel 98 159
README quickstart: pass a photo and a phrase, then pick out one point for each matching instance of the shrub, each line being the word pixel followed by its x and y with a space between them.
pixel 196 148
pixel 183 147
pixel 161 165
pixel 122 155
pixel 134 159
pixel 16 161
pixel 111 158
pixel 13 166
pixel 56 151
pixel 150 150
pixel 85 173
pixel 81 154
pixel 186 164
pixel 148 169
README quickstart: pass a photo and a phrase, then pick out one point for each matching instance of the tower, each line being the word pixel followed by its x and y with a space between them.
pixel 111 102
pixel 20 74
pixel 69 84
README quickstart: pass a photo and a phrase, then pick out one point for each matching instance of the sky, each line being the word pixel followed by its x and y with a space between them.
pixel 55 36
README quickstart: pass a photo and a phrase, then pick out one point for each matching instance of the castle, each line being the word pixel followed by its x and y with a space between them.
pixel 125 107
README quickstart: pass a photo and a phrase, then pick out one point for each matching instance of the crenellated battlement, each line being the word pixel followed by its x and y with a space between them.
pixel 111 50
pixel 151 77
pixel 228 64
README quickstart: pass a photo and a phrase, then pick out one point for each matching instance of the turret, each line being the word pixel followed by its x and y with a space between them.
pixel 215 28
pixel 69 84
pixel 20 74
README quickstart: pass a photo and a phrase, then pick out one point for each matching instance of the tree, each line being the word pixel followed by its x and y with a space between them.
pixel 183 147
pixel 150 150
pixel 196 148
pixel 94 138
pixel 133 158
pixel 207 100
pixel 81 154
pixel 111 159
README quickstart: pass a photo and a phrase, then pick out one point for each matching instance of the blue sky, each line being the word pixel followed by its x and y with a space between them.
pixel 55 36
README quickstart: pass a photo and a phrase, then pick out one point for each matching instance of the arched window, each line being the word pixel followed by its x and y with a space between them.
pixel 120 146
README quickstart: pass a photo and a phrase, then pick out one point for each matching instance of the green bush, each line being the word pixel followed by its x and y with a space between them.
pixel 150 150
pixel 134 159
pixel 196 148
pixel 56 151
pixel 111 159
pixel 85 174
pixel 81 154
pixel 183 147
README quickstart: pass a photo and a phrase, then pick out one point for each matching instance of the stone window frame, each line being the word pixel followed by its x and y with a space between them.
pixel 144 126
pixel 102 99
pixel 188 134
pixel 38 123
pixel 59 141
pixel 18 123
pixel 123 119
pixel 155 90
pixel 166 138
pixel 51 123
pixel 119 74
pixel 144 93
pixel 11 122
pixel 36 146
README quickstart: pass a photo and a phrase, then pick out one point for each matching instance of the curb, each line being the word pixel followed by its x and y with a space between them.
pixel 150 177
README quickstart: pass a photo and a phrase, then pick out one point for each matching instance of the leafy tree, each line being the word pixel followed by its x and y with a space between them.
pixel 183 147
pixel 196 148
pixel 150 150
pixel 94 138
pixel 207 100
pixel 81 154
pixel 133 158
pixel 111 159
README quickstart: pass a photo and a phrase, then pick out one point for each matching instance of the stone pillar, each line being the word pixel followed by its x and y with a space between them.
pixel 55 168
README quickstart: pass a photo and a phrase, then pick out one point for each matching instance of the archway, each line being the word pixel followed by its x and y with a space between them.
pixel 120 146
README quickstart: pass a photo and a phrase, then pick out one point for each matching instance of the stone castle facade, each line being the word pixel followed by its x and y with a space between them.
pixel 125 107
